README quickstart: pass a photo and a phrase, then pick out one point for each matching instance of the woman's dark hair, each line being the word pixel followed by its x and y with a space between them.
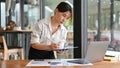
pixel 64 7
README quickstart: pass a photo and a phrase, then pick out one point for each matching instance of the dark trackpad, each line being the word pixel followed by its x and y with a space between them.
pixel 79 61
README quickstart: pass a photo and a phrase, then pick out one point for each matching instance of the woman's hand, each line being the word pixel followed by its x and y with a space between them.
pixel 61 51
pixel 54 46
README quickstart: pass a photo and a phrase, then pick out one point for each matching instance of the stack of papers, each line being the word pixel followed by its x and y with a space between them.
pixel 55 62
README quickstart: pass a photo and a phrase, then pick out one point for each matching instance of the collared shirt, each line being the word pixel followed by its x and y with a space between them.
pixel 42 33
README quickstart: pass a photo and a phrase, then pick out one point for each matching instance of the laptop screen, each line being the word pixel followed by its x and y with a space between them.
pixel 96 51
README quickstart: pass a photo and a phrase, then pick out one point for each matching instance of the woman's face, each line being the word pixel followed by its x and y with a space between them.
pixel 61 17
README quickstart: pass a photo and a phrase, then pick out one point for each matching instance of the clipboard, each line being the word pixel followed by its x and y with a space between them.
pixel 66 48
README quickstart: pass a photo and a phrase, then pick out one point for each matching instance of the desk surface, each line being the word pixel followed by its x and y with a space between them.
pixel 22 64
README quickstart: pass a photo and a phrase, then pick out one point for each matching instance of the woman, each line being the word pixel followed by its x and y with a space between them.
pixel 50 34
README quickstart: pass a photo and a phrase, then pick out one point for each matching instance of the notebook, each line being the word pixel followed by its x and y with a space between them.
pixel 95 53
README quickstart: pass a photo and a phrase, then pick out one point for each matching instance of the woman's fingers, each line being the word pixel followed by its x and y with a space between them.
pixel 55 46
pixel 61 51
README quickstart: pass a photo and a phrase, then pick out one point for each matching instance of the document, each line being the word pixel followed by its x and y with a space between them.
pixel 54 62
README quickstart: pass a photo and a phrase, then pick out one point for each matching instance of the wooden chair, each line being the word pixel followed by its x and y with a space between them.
pixel 6 50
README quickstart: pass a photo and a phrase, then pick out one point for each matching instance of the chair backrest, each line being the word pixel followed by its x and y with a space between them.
pixel 4 50
pixel 3 42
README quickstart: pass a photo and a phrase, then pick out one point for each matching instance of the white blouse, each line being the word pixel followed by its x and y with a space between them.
pixel 42 33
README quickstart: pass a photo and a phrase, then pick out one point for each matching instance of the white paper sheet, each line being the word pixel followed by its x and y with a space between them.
pixel 55 62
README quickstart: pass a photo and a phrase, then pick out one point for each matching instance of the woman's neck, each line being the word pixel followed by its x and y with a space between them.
pixel 54 22
pixel 55 26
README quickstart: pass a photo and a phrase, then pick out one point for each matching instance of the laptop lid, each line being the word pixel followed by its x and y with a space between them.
pixel 96 51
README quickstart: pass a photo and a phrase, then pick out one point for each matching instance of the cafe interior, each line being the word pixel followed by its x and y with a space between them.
pixel 17 20
pixel 93 20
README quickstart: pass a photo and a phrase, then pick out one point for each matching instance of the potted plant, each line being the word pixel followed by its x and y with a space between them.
pixel 17 27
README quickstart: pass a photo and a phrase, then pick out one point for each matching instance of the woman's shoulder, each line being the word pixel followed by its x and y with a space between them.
pixel 44 21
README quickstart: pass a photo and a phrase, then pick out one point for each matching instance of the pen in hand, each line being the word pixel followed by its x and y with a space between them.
pixel 54 46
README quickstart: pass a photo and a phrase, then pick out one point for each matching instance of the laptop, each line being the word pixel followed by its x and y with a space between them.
pixel 95 52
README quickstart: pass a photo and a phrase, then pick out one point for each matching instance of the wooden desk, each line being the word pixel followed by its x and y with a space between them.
pixel 12 39
pixel 22 64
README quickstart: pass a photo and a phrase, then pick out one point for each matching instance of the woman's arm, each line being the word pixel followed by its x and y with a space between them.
pixel 38 46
